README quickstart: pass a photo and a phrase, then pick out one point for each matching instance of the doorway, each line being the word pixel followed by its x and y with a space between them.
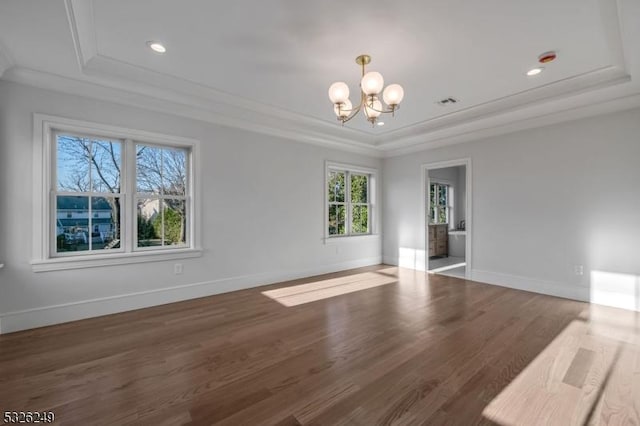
pixel 447 217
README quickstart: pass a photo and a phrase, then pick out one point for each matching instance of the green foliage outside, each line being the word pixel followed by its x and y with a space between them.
pixel 359 213
pixel 438 203
pixel 146 231
pixel 359 188
pixel 150 230
pixel 173 226
pixel 337 191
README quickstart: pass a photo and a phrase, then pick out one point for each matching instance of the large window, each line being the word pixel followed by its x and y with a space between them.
pixel 122 194
pixel 349 201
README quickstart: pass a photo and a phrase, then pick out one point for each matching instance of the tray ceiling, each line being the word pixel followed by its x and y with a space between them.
pixel 271 63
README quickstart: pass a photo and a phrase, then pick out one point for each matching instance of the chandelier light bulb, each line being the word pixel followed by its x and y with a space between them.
pixel 374 110
pixel 372 83
pixel 339 92
pixel 393 94
pixel 368 99
pixel 344 109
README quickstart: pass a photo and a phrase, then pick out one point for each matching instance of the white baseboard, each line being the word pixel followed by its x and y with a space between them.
pixel 390 260
pixel 408 258
pixel 608 289
pixel 534 285
pixel 57 314
pixel 612 292
pixel 520 283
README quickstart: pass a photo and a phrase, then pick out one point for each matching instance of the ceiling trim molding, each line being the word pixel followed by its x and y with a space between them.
pixel 508 122
pixel 483 130
pixel 171 105
pixel 152 81
pixel 575 85
pixel 512 121
pixel 81 24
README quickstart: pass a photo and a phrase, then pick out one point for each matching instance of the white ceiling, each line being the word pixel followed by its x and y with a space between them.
pixel 269 64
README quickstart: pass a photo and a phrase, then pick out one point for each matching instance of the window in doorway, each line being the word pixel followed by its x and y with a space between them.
pixel 440 203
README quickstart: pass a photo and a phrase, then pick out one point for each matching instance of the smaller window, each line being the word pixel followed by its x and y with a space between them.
pixel 349 201
pixel 440 203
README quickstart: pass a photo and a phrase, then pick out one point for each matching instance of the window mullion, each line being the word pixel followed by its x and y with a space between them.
pixel 347 201
pixel 90 223
pixel 368 204
pixel 128 229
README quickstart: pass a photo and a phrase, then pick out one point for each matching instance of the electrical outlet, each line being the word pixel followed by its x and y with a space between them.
pixel 578 269
pixel 177 268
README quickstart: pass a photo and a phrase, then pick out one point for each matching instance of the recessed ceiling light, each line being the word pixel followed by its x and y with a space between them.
pixel 535 71
pixel 156 46
pixel 380 123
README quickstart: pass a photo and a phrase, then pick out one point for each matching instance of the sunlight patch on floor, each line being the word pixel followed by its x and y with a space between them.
pixel 324 289
pixel 446 268
pixel 581 377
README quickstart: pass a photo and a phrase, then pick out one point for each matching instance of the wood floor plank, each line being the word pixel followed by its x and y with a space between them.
pixel 375 345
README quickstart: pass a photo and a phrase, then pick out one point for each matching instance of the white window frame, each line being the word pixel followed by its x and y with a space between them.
pixel 141 195
pixel 54 192
pixel 44 151
pixel 450 203
pixel 372 191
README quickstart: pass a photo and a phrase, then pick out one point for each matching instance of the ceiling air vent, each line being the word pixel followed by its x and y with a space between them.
pixel 447 101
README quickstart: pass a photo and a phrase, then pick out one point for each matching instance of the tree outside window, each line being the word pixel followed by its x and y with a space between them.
pixel 349 202
pixel 89 197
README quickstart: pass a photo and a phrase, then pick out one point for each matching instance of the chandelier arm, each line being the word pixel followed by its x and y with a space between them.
pixel 354 112
pixel 388 111
pixel 363 102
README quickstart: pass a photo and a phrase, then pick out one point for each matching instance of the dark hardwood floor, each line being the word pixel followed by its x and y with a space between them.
pixel 376 345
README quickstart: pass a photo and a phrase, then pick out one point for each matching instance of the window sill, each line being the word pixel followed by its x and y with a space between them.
pixel 94 261
pixel 351 238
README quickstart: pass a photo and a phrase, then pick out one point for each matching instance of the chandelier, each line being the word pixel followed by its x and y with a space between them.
pixel 371 85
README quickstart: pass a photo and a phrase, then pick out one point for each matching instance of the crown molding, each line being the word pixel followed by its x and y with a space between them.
pixel 538 115
pixel 152 82
pixel 174 104
pixel 557 90
pixel 479 118
pixel 81 24
pixel 511 123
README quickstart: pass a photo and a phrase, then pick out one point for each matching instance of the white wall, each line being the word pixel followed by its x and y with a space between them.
pixel 544 200
pixel 263 216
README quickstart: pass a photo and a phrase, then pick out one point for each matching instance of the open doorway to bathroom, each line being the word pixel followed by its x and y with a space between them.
pixel 447 218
